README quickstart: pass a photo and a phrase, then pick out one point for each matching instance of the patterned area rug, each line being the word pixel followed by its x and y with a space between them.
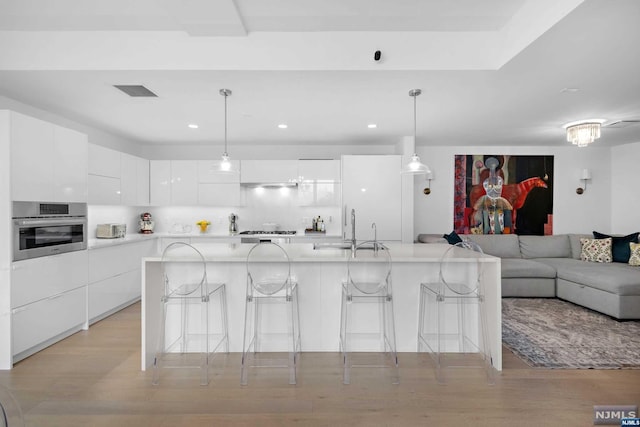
pixel 551 333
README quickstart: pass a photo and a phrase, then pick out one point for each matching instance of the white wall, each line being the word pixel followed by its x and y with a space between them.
pixel 572 213
pixel 625 197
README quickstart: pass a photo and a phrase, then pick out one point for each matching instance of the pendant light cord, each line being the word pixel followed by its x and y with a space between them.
pixel 225 124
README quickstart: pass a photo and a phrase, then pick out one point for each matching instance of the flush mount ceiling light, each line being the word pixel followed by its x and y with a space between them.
pixel 415 166
pixel 372 125
pixel 192 126
pixel 225 164
pixel 583 133
pixel 283 126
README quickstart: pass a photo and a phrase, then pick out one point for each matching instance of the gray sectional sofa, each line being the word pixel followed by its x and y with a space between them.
pixel 550 266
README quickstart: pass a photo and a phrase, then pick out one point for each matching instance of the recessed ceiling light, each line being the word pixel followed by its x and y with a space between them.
pixel 569 90
pixel 372 125
pixel 193 126
pixel 282 126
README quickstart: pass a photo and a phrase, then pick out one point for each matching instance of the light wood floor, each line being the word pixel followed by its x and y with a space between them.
pixel 93 379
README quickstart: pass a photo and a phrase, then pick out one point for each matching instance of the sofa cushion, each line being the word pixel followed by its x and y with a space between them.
pixel 596 250
pixel 634 259
pixel 518 267
pixel 500 245
pixel 431 238
pixel 576 246
pixel 617 278
pixel 545 246
pixel 620 245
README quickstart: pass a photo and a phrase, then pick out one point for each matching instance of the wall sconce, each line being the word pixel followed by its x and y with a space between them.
pixel 429 177
pixel 586 175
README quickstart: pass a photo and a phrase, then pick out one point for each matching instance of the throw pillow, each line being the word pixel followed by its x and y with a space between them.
pixel 596 250
pixel 620 246
pixel 452 238
pixel 634 259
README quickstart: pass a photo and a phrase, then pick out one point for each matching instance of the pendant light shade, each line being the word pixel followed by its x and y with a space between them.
pixel 415 166
pixel 225 163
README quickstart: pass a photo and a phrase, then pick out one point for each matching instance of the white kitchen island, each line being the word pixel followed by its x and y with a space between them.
pixel 320 274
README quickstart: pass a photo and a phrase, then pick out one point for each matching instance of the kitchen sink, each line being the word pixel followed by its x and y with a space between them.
pixel 341 245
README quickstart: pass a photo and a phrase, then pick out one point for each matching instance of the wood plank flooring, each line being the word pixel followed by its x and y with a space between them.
pixel 93 379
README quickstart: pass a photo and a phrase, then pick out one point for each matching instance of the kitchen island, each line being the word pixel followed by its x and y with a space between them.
pixel 320 273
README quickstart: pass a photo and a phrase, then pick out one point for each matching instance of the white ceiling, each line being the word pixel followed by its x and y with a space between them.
pixel 491 72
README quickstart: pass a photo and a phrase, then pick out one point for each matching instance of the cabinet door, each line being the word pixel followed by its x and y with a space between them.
pixel 31 159
pixel 159 182
pixel 184 182
pixel 372 186
pixel 219 194
pixel 142 182
pixel 209 172
pixel 70 165
pixel 104 161
pixel 40 278
pixel 38 323
pixel 128 179
pixel 110 294
pixel 104 190
pixel 268 171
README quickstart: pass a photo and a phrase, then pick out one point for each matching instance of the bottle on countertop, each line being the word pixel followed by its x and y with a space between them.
pixel 322 225
pixel 314 224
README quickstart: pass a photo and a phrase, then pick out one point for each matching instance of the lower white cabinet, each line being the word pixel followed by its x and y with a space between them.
pixel 40 324
pixel 115 277
pixel 48 301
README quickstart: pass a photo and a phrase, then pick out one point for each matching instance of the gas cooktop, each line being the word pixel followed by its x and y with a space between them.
pixel 279 232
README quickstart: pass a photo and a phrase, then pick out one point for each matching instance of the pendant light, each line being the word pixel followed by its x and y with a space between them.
pixel 415 166
pixel 225 164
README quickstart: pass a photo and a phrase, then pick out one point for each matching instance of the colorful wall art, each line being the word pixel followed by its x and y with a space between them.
pixel 503 194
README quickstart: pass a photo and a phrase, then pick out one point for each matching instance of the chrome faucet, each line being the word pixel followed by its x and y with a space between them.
pixel 353 233
pixel 375 237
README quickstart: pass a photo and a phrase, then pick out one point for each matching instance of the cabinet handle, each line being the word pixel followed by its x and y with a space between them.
pixel 55 297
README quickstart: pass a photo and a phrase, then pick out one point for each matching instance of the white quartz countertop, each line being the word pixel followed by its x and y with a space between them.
pixel 304 252
pixel 95 243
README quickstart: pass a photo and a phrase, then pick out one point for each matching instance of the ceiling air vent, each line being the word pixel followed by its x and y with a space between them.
pixel 136 90
pixel 623 124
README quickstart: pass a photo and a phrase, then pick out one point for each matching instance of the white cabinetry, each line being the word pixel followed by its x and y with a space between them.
pixel 372 186
pixel 319 182
pixel 184 182
pixel 48 162
pixel 117 178
pixel 48 300
pixel 115 277
pixel 193 182
pixel 268 171
pixel 104 176
pixel 159 182
pixel 134 180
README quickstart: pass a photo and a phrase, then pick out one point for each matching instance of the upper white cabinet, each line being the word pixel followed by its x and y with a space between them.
pixel 372 186
pixel 71 151
pixel 319 182
pixel 159 182
pixel 134 180
pixel 193 182
pixel 48 162
pixel 104 161
pixel 268 171
pixel 184 182
pixel 117 178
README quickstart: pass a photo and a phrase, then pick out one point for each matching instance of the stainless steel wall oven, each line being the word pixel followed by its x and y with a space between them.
pixel 42 229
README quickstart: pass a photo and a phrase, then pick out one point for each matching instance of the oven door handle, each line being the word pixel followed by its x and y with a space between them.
pixel 50 222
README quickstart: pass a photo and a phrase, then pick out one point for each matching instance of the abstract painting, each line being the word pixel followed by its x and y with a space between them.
pixel 503 194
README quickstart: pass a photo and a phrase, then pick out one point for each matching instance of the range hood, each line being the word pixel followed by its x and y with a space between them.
pixel 269 173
